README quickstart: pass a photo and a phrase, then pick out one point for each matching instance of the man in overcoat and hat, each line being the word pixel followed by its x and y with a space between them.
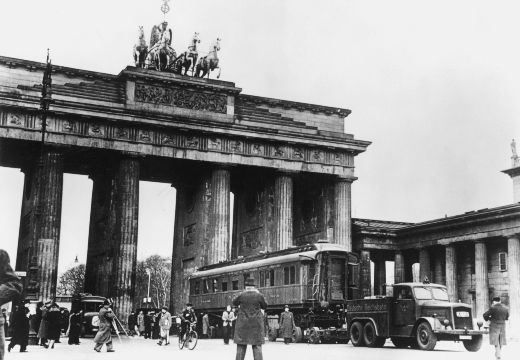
pixel 287 325
pixel 10 289
pixel 104 335
pixel 249 328
pixel 497 315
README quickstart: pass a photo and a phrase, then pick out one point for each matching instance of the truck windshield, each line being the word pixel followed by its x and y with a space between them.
pixel 430 293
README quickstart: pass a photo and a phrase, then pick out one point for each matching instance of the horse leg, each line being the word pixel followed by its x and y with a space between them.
pixel 219 69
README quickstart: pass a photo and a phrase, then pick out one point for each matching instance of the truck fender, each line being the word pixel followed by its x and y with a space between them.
pixel 434 323
pixel 364 320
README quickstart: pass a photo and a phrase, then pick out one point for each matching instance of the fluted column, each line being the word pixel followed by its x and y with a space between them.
pixel 219 216
pixel 48 211
pixel 125 244
pixel 438 267
pixel 342 213
pixel 379 275
pixel 424 265
pixel 398 267
pixel 513 269
pixel 283 211
pixel 451 273
pixel 365 273
pixel 481 278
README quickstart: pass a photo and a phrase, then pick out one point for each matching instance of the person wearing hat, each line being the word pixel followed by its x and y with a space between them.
pixel 10 289
pixel 43 330
pixel 20 327
pixel 165 322
pixel 104 335
pixel 188 317
pixel 287 325
pixel 249 329
pixel 497 315
pixel 228 317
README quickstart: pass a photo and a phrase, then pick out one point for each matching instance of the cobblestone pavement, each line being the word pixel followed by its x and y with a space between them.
pixel 214 349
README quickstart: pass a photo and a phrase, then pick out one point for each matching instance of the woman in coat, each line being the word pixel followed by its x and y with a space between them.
pixel 44 325
pixel 20 328
pixel 228 317
pixel 54 325
pixel 165 323
pixel 140 323
pixel 287 325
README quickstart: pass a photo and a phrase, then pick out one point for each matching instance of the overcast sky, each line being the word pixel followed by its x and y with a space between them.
pixel 435 85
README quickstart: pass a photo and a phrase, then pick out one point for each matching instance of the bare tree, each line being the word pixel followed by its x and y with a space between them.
pixel 71 281
pixel 160 279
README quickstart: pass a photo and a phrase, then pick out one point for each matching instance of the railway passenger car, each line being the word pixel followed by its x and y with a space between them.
pixel 315 280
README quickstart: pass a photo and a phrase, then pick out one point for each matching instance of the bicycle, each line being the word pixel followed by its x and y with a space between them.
pixel 190 338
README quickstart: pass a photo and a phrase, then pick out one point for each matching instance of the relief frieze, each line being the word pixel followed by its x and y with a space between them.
pixel 181 98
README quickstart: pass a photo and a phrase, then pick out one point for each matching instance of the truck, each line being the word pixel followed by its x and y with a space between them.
pixel 412 314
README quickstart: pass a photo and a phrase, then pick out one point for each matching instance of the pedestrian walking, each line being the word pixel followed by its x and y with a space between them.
pixel 165 323
pixel 43 329
pixel 249 328
pixel 497 315
pixel 131 324
pixel 20 327
pixel 10 290
pixel 156 329
pixel 104 335
pixel 74 328
pixel 188 317
pixel 140 323
pixel 234 310
pixel 287 325
pixel 205 325
pixel 148 322
pixel 54 325
pixel 228 317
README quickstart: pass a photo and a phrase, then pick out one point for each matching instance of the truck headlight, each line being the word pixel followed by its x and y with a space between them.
pixel 446 323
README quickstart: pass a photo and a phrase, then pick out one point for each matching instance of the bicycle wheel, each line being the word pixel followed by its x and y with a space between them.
pixel 192 340
pixel 181 342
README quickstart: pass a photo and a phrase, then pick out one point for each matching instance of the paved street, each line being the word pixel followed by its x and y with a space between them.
pixel 215 350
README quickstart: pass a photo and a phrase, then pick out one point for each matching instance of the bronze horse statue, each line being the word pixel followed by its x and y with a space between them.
pixel 140 49
pixel 187 59
pixel 209 62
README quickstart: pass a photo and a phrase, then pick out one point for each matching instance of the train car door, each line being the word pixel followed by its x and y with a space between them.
pixel 337 278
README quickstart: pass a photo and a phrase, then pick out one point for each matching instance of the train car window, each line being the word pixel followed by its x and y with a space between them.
pixel 196 289
pixel 205 286
pixel 215 286
pixel 292 275
pixel 234 284
pixel 192 287
pixel 271 277
pixel 224 285
pixel 262 278
pixel 246 276
pixel 286 278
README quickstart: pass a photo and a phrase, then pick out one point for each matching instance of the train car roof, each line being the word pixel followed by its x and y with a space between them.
pixel 294 254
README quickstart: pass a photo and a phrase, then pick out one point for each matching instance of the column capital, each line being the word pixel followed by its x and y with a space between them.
pixel 345 178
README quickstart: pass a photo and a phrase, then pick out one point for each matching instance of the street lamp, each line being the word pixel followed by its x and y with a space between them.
pixel 148 293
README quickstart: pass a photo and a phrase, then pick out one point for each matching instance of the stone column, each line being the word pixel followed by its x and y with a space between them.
pixel 438 267
pixel 365 273
pixel 451 273
pixel 379 275
pixel 342 213
pixel 283 211
pixel 125 244
pixel 398 267
pixel 424 265
pixel 481 278
pixel 219 216
pixel 513 269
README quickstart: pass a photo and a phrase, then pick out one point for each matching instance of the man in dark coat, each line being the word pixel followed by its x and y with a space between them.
pixel 249 329
pixel 74 328
pixel 10 289
pixel 20 328
pixel 497 316
pixel 131 323
pixel 287 325
pixel 104 335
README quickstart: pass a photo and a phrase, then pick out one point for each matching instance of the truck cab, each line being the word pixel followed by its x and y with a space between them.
pixel 412 314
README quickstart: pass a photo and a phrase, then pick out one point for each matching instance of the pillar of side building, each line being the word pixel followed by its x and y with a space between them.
pixel 219 249
pixel 100 256
pixel 283 211
pixel 451 273
pixel 125 235
pixel 49 209
pixel 424 265
pixel 438 267
pixel 365 273
pixel 513 268
pixel 342 213
pixel 379 274
pixel 398 267
pixel 481 279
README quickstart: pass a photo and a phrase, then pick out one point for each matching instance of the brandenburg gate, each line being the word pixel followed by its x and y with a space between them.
pixel 289 165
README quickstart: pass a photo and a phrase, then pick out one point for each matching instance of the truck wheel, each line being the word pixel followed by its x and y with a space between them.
pixel 298 334
pixel 474 344
pixel 356 334
pixel 426 339
pixel 369 336
pixel 400 342
pixel 272 334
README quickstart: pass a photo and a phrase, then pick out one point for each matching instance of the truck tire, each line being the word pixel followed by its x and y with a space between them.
pixel 298 334
pixel 400 342
pixel 272 334
pixel 356 334
pixel 369 336
pixel 473 344
pixel 426 339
